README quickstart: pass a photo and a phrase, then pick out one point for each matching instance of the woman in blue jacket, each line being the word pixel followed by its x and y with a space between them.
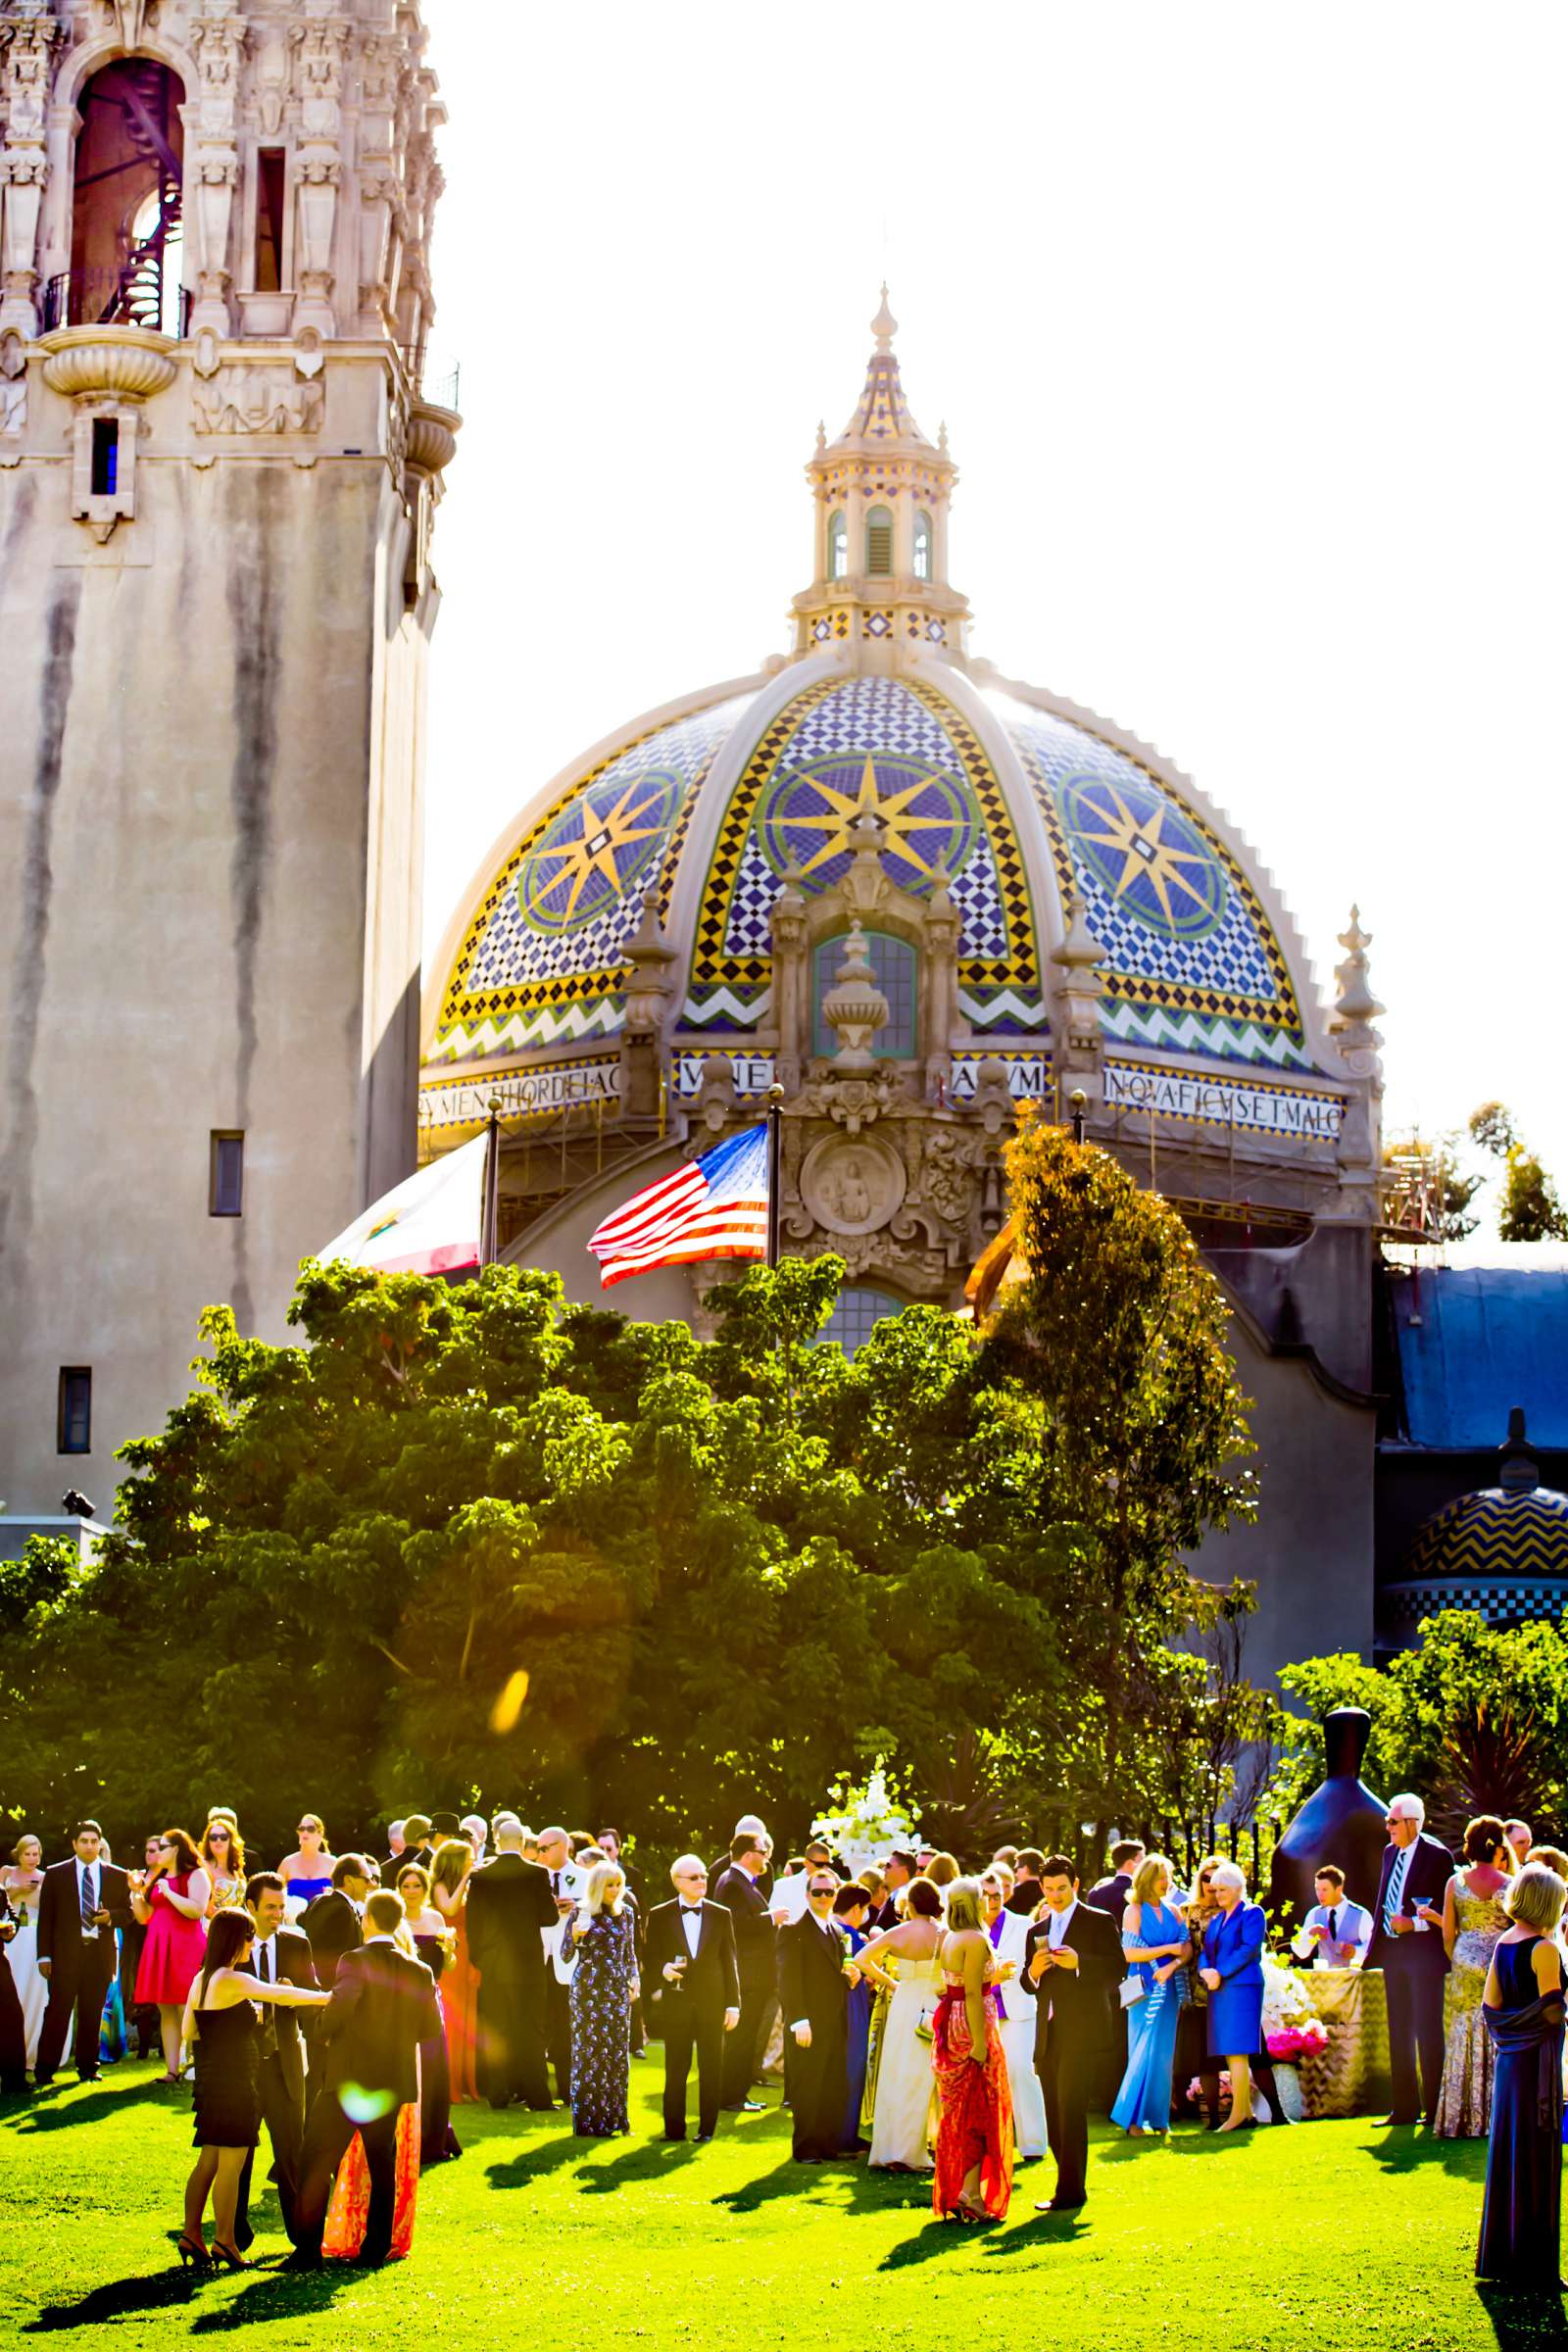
pixel 1233 1971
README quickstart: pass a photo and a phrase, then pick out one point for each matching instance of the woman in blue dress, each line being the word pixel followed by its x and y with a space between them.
pixel 1523 2011
pixel 1233 1971
pixel 596 1946
pixel 1153 1937
pixel 850 1908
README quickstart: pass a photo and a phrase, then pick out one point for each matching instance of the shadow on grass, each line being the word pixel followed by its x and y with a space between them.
pixel 1041 2229
pixel 1523 2315
pixel 120 2299
pixel 516 2172
pixel 46 2113
pixel 1402 2150
pixel 641 2162
pixel 270 2296
pixel 938 2238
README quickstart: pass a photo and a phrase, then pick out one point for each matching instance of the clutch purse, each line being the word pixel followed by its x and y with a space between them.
pixel 1130 1990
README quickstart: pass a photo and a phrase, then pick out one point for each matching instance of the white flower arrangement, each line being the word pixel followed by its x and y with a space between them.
pixel 864 1825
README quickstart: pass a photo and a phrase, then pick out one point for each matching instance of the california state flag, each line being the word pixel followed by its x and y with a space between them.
pixel 429 1224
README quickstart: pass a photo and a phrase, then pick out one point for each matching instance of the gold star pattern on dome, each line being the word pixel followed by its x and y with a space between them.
pixel 833 827
pixel 1144 851
pixel 596 848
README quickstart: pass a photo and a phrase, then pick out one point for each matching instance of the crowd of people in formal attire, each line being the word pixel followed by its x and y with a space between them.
pixel 929 2020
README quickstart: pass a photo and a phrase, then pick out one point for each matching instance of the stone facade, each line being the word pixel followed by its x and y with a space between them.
pixel 218 470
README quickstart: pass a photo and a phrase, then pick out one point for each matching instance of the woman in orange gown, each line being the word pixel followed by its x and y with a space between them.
pixel 459 1986
pixel 974 2135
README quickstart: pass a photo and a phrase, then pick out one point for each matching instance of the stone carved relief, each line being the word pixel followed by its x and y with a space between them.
pixel 269 85
pixel 853 1185
pixel 13 395
pixel 237 399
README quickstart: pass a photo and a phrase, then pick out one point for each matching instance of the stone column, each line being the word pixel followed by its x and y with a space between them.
pixel 26 43
pixel 212 169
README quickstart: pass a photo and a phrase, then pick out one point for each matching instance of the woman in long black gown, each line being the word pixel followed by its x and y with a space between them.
pixel 1523 2009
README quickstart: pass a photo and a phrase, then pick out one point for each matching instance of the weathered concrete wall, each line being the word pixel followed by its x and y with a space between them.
pixel 210 732
pixel 1310 1549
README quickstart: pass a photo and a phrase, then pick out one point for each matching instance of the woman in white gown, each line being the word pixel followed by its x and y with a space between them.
pixel 1007 1933
pixel 22 1882
pixel 902 2120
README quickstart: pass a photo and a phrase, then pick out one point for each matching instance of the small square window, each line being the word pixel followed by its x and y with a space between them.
pixel 226 1180
pixel 73 1434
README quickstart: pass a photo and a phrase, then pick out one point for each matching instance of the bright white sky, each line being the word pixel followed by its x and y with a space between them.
pixel 1247 324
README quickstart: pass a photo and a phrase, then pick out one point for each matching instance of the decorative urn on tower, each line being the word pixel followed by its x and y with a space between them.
pixel 1340 1822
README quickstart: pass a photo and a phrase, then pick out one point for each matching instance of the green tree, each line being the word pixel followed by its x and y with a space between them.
pixel 1114 1346
pixel 1530 1208
pixel 1473 1718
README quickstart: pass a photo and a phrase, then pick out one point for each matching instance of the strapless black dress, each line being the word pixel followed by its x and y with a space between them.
pixel 228 2107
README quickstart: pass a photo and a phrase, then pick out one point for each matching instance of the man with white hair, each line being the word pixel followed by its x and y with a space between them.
pixel 510 1908
pixel 692 1986
pixel 1408 1946
pixel 1521 1837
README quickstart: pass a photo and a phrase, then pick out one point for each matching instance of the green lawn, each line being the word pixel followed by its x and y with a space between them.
pixel 1330 2235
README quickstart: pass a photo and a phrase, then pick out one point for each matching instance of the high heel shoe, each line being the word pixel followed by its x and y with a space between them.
pixel 229 2256
pixel 191 2249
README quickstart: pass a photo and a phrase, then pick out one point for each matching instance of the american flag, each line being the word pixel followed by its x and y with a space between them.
pixel 715 1206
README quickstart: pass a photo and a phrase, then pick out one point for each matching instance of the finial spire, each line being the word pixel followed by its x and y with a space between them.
pixel 884 326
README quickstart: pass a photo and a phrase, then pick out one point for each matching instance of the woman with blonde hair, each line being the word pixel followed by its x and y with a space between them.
pixel 308 1870
pixel 431 1940
pixel 973 2180
pixel 1158 1947
pixel 598 1947
pixel 942 1872
pixel 901 1965
pixel 1520 2218
pixel 1472 1918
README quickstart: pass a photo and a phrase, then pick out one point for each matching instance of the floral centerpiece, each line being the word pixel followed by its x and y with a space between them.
pixel 1291 2030
pixel 862 1826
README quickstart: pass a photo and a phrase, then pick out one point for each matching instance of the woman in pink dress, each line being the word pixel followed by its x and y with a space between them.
pixel 171 1905
pixel 974 2135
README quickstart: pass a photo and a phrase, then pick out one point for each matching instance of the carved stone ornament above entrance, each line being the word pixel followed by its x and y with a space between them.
pixel 853 1184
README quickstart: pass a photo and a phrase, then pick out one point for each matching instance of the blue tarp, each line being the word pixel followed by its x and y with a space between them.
pixel 1475 1341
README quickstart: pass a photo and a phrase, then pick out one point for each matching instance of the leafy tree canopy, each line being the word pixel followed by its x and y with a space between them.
pixel 724 1571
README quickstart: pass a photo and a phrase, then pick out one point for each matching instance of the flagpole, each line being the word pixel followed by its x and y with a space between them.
pixel 776 1131
pixel 490 1213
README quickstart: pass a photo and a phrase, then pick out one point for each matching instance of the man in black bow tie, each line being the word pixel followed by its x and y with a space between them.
pixel 695 1990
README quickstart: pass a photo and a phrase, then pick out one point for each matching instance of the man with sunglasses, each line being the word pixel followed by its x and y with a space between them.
pixel 815 1974
pixel 692 1981
pixel 1408 1946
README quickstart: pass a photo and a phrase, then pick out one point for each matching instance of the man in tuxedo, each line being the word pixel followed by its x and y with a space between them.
pixel 1024 1900
pixel 1073 1958
pixel 815 1995
pixel 509 1911
pixel 383 2005
pixel 280 1954
pixel 694 1989
pixel 896 1872
pixel 333 1922
pixel 1408 1946
pixel 1109 1894
pixel 565 1885
pixel 756 1952
pixel 13 2021
pixel 81 1904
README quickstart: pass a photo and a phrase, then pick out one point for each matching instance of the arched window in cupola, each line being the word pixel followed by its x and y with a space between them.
pixel 879 540
pixel 922 547
pixel 838 546
pixel 126 250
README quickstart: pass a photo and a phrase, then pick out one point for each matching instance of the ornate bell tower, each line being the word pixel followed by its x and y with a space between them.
pixel 220 462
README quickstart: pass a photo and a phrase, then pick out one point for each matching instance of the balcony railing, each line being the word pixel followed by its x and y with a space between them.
pixel 99 298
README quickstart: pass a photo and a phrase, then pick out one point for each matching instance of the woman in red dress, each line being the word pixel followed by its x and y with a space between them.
pixel 459 1986
pixel 974 2135
pixel 171 1904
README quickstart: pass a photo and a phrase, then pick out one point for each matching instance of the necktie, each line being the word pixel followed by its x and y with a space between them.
pixel 89 1900
pixel 1334 1927
pixel 555 1881
pixel 1396 1879
pixel 261 1968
